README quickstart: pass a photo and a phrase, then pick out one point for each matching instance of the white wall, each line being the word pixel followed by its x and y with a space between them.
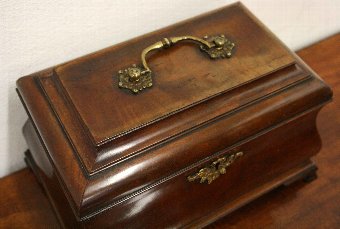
pixel 36 34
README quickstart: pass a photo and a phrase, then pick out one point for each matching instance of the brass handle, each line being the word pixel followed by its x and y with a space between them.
pixel 137 78
pixel 215 169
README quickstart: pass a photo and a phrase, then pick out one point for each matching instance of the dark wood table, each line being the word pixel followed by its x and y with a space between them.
pixel 23 203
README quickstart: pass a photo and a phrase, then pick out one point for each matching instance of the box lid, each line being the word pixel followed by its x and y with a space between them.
pixel 109 143
pixel 108 115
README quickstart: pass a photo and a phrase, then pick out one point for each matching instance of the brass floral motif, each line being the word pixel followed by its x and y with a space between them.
pixel 136 78
pixel 215 169
pixel 222 47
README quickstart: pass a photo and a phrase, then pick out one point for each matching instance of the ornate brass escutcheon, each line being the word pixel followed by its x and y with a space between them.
pixel 215 169
pixel 136 78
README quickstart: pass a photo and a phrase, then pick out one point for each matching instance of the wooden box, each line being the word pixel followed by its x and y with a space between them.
pixel 181 138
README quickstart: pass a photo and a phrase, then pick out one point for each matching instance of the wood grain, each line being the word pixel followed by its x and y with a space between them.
pixel 313 205
pixel 23 203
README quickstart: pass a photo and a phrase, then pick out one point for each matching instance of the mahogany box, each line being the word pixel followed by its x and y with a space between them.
pixel 175 128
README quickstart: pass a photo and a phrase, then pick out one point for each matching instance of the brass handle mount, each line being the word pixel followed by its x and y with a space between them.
pixel 138 77
pixel 215 169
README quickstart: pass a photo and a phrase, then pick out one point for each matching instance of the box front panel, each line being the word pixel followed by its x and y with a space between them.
pixel 267 159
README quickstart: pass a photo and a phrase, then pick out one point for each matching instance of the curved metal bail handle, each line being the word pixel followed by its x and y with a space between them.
pixel 167 43
pixel 137 78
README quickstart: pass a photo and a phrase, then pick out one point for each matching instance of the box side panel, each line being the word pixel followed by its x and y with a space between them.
pixel 66 166
pixel 38 160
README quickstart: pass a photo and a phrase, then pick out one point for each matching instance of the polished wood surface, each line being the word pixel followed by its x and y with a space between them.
pixel 263 101
pixel 312 205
